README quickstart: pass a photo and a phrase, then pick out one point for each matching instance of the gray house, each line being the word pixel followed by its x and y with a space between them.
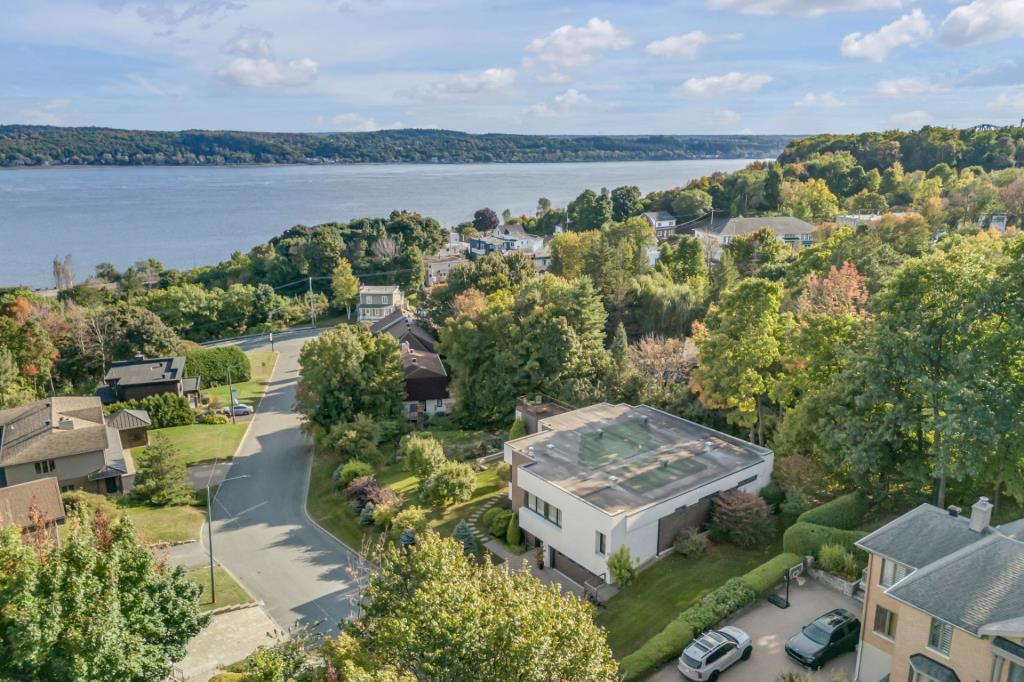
pixel 721 231
pixel 66 438
pixel 142 377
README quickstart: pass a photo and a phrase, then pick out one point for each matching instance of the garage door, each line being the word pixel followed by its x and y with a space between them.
pixel 687 517
pixel 571 569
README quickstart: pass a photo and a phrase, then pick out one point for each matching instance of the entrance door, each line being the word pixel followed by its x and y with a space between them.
pixel 111 485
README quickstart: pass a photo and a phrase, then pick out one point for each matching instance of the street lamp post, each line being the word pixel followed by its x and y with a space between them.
pixel 209 531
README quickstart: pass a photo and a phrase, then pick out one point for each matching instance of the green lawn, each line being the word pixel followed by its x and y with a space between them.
pixel 252 391
pixel 229 592
pixel 201 442
pixel 670 586
pixel 167 524
pixel 331 510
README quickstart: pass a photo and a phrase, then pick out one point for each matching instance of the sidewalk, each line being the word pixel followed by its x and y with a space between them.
pixel 228 638
pixel 546 575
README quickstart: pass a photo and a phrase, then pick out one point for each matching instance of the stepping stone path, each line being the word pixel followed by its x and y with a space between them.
pixel 474 521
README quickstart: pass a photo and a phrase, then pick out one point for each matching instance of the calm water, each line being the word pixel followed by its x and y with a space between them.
pixel 197 215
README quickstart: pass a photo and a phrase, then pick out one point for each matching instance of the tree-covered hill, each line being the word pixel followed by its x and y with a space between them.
pixel 47 145
pixel 990 148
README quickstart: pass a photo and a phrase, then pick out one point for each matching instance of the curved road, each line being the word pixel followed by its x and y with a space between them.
pixel 261 531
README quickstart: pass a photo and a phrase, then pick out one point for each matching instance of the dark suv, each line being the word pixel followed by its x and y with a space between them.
pixel 827 637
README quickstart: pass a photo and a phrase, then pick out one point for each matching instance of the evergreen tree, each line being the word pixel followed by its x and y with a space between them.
pixel 163 479
pixel 463 534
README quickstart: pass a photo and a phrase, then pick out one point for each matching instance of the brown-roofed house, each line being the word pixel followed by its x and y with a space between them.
pixel 67 438
pixel 402 325
pixel 426 385
pixel 133 426
pixel 26 504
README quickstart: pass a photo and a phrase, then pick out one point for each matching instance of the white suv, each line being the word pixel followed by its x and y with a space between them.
pixel 713 652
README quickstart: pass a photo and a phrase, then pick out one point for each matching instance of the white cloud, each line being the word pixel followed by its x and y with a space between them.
pixel 734 81
pixel 555 77
pixel 1010 98
pixel 911 119
pixel 568 46
pixel 353 123
pixel 825 99
pixel 267 73
pixel 154 87
pixel 906 87
pixel 728 116
pixel 910 29
pixel 561 105
pixel 49 114
pixel 469 84
pixel 983 21
pixel 250 42
pixel 685 46
pixel 807 8
pixel 174 12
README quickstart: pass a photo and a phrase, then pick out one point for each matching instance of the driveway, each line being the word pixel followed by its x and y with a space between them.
pixel 261 531
pixel 770 627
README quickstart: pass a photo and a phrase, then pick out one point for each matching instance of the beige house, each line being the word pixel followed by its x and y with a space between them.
pixel 66 438
pixel 944 599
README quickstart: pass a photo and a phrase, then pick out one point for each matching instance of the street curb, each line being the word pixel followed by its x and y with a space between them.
pixel 305 511
pixel 248 426
pixel 236 607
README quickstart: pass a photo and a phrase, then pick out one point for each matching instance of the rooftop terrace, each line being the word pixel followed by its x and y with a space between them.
pixel 623 458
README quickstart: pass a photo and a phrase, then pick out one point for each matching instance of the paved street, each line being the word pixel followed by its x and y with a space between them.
pixel 261 531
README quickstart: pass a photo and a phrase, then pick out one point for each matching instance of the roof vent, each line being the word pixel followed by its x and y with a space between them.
pixel 953 510
pixel 708 446
pixel 529 450
pixel 550 448
pixel 663 462
pixel 66 424
pixel 613 481
pixel 646 420
pixel 600 434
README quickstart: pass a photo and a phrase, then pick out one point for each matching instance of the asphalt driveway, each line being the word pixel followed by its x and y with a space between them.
pixel 770 627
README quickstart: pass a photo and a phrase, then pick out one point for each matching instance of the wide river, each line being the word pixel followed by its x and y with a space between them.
pixel 186 216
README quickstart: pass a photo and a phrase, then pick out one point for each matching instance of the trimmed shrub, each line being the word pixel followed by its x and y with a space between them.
pixel 504 472
pixel 211 365
pixel 366 489
pixel 719 604
pixel 213 419
pixel 742 519
pixel 773 495
pixel 485 520
pixel 366 515
pixel 839 560
pixel 765 577
pixel 164 409
pixel 352 470
pixel 422 454
pixel 513 536
pixel 518 430
pixel 804 538
pixel 412 519
pixel 795 504
pixel 845 512
pixel 449 482
pixel 383 515
pixel 498 525
pixel 623 567
pixel 662 647
pixel 689 543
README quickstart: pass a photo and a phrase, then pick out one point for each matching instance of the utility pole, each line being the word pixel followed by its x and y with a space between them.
pixel 209 530
pixel 312 314
pixel 231 397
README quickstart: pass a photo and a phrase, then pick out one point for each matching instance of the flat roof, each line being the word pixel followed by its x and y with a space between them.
pixel 623 458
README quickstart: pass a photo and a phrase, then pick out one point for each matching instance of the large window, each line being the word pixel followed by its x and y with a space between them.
pixel 548 511
pixel 45 467
pixel 885 622
pixel 940 636
pixel 1016 673
pixel 892 573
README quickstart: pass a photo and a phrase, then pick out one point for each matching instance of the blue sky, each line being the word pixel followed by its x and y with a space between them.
pixel 692 66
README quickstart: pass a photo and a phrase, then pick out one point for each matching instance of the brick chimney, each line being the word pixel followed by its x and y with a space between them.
pixel 981 515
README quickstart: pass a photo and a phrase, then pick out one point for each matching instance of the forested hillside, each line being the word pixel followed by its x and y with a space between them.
pixel 47 145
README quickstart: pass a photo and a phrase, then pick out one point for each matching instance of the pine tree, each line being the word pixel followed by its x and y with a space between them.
pixel 163 479
pixel 463 534
pixel 513 536
pixel 366 515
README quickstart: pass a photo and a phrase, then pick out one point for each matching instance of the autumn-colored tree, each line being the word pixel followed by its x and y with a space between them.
pixel 842 292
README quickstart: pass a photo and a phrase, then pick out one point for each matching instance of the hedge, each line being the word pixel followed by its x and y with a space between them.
pixel 712 608
pixel 228 677
pixel 664 646
pixel 804 538
pixel 211 365
pixel 845 512
pixel 769 574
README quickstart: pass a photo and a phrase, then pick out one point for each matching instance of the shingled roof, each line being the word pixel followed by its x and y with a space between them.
pixel 921 536
pixel 145 371
pixel 52 428
pixel 129 419
pixel 16 502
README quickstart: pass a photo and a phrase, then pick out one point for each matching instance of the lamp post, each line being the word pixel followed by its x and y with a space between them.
pixel 209 531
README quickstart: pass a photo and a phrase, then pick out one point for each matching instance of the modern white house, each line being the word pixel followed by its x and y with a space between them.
pixel 376 302
pixel 504 239
pixel 663 222
pixel 593 479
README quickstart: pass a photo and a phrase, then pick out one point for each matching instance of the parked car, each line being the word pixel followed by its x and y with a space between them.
pixel 825 638
pixel 240 410
pixel 714 651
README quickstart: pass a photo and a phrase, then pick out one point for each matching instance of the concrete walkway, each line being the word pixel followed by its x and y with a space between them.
pixel 228 638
